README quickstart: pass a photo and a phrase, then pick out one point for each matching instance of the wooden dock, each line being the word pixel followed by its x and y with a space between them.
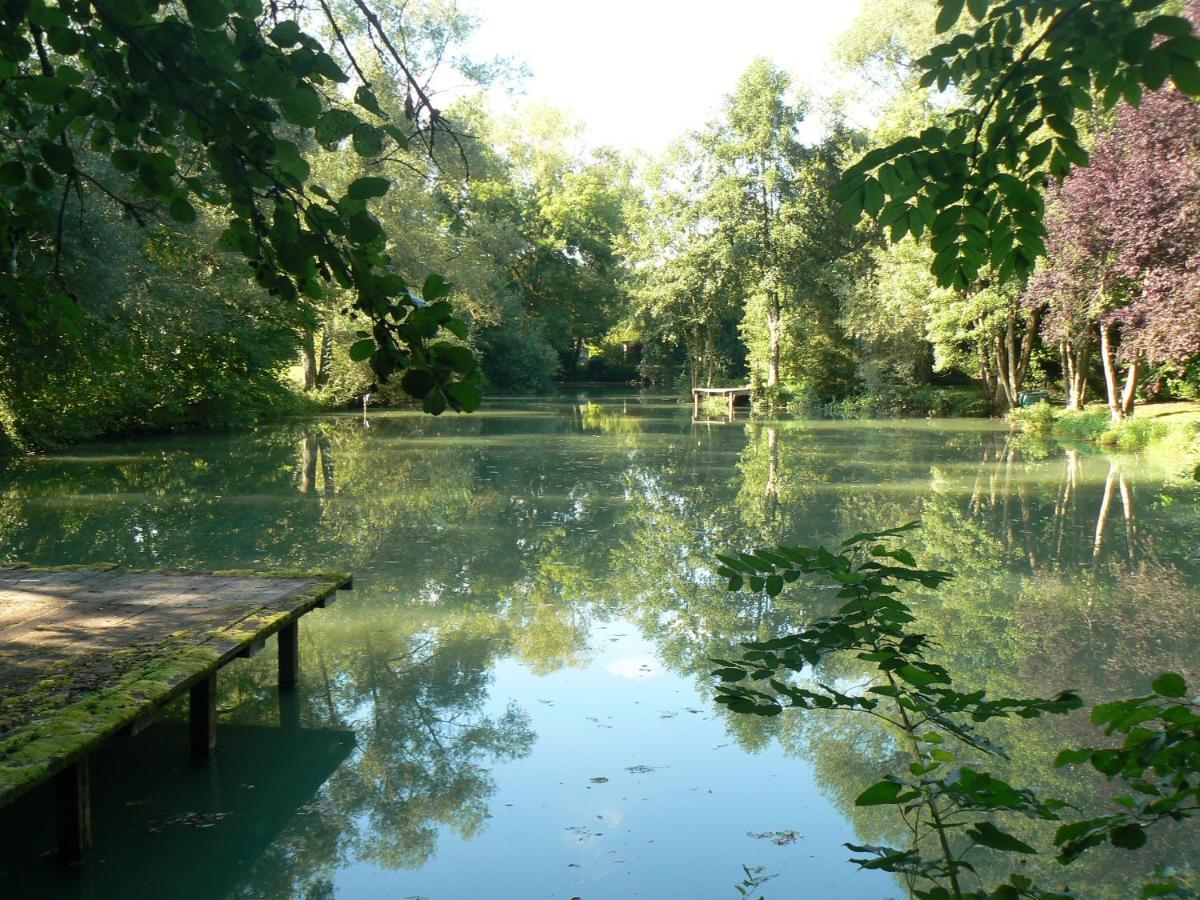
pixel 731 392
pixel 90 652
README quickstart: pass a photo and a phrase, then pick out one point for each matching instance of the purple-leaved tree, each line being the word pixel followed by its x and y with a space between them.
pixel 1122 271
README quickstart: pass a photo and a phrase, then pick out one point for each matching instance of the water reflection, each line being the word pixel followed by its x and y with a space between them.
pixel 546 570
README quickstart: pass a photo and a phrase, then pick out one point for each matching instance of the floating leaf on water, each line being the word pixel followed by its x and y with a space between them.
pixel 599 779
pixel 780 838
pixel 642 770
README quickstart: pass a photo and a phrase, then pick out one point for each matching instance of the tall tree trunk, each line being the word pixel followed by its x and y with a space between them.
pixel 326 359
pixel 1003 372
pixel 774 326
pixel 1127 395
pixel 1012 359
pixel 1026 352
pixel 1108 358
pixel 990 388
pixel 1075 356
pixel 308 356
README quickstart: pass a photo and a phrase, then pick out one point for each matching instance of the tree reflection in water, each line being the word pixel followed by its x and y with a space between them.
pixel 513 535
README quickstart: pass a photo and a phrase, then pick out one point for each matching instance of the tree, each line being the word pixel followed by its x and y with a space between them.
pixel 1123 265
pixel 685 302
pixel 1022 75
pixel 165 110
pixel 756 152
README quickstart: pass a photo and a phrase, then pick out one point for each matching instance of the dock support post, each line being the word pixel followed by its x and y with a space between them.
pixel 731 407
pixel 73 811
pixel 695 404
pixel 289 656
pixel 203 717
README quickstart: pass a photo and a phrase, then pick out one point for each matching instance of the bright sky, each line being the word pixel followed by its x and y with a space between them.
pixel 639 73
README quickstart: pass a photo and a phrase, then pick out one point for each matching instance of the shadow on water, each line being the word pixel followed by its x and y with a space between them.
pixel 167 821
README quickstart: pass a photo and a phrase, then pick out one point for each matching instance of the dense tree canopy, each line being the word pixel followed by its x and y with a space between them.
pixel 202 208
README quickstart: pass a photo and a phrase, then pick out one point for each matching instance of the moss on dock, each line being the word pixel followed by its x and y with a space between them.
pixel 53 715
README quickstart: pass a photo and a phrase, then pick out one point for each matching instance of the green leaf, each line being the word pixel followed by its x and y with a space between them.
pixel 948 16
pixel 302 107
pixel 365 98
pixel 364 227
pixel 368 140
pixel 1169 684
pixel 41 178
pixel 919 677
pixel 988 835
pixel 1128 837
pixel 182 211
pixel 1186 76
pixel 58 157
pixel 12 173
pixel 334 126
pixel 286 33
pixel 1072 757
pixel 361 350
pixel 435 288
pixel 467 395
pixel 881 793
pixel 367 187
pixel 417 382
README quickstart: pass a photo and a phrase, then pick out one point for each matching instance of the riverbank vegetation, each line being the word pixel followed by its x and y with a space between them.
pixel 735 256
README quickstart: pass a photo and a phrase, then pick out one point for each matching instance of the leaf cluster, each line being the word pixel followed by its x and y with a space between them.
pixel 1023 74
pixel 945 799
pixel 166 108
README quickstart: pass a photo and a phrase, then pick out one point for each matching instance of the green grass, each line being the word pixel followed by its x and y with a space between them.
pixel 1151 424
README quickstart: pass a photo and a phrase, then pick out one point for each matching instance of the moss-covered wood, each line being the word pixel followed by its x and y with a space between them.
pixel 87 651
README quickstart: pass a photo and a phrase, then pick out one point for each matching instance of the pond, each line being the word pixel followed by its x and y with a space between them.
pixel 514 701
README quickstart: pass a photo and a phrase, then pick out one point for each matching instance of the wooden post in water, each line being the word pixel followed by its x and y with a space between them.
pixel 289 656
pixel 73 811
pixel 203 716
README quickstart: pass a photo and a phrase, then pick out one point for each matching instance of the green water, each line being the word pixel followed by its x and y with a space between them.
pixel 513 702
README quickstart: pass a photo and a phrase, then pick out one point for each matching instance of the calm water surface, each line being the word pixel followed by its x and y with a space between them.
pixel 514 702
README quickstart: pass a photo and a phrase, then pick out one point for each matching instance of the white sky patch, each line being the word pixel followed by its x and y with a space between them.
pixel 635 668
pixel 640 73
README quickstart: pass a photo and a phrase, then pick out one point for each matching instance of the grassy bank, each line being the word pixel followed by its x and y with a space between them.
pixel 1170 425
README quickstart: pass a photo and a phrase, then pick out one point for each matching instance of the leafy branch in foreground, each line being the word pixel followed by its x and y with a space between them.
pixel 1022 74
pixel 167 109
pixel 949 806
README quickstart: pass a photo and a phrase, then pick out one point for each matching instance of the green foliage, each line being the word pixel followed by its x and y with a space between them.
pixel 1093 425
pixel 1158 762
pixel 517 360
pixel 167 109
pixel 914 400
pixel 1024 73
pixel 1038 419
pixel 166 335
pixel 946 800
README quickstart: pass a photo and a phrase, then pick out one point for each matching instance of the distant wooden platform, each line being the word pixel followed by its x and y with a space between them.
pixel 731 392
pixel 89 652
